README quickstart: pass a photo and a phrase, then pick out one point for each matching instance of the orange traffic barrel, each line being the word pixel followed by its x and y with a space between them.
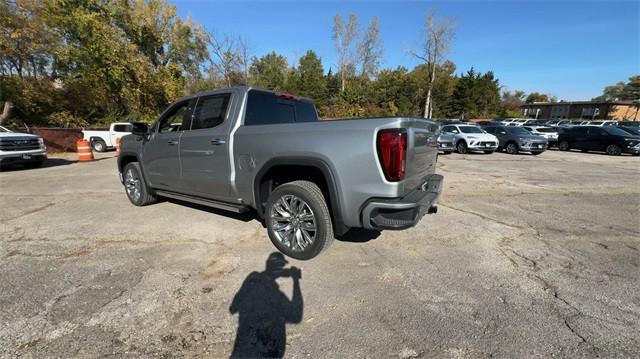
pixel 84 150
pixel 118 146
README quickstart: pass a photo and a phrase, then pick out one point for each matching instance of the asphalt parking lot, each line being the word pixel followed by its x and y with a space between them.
pixel 527 257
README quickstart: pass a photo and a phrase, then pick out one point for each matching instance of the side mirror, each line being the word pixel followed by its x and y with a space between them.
pixel 503 132
pixel 140 129
pixel 454 131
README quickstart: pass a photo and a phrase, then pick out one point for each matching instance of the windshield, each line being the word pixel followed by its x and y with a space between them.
pixel 470 129
pixel 546 130
pixel 518 131
pixel 3 129
pixel 633 131
pixel 616 131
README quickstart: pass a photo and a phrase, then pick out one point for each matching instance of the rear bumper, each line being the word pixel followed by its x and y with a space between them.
pixel 405 212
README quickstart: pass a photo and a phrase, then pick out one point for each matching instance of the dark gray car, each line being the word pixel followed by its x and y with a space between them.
pixel 517 139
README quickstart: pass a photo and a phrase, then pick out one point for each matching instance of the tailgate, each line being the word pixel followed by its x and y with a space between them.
pixel 422 152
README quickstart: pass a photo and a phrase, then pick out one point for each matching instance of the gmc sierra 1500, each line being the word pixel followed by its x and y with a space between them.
pixel 245 148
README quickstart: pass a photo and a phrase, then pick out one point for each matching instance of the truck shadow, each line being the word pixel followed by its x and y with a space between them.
pixel 244 217
pixel 50 162
pixel 354 235
pixel 264 310
pixel 359 235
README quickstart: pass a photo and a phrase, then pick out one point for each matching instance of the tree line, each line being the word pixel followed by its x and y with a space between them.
pixel 85 62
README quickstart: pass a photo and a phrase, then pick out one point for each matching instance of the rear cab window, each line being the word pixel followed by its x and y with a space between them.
pixel 267 108
pixel 122 128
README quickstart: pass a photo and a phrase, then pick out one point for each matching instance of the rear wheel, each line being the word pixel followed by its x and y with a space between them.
pixel 137 190
pixel 614 150
pixel 564 146
pixel 462 147
pixel 298 220
pixel 98 145
pixel 512 148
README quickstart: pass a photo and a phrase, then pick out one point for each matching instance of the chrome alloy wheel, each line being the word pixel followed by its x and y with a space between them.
pixel 133 185
pixel 293 222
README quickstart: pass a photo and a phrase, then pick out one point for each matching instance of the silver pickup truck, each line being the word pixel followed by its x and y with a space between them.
pixel 244 148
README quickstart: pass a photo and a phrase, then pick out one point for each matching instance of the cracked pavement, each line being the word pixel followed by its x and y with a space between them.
pixel 527 257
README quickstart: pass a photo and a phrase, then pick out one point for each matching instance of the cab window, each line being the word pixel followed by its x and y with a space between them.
pixel 178 117
pixel 210 111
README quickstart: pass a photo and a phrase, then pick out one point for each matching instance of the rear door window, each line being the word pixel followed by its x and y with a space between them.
pixel 210 111
pixel 579 132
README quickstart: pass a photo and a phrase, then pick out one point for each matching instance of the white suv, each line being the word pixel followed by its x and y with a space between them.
pixel 468 138
pixel 22 148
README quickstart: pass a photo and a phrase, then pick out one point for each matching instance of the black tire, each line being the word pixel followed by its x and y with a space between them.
pixel 99 145
pixel 488 152
pixel 146 195
pixel 462 147
pixel 311 196
pixel 614 150
pixel 564 146
pixel 512 148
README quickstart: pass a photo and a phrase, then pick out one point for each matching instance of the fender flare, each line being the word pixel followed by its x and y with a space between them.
pixel 329 177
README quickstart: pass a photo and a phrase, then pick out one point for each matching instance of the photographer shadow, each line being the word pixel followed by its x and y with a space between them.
pixel 263 311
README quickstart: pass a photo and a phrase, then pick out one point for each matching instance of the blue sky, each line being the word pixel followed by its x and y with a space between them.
pixel 568 49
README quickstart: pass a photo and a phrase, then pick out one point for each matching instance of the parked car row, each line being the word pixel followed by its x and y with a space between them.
pixel 495 136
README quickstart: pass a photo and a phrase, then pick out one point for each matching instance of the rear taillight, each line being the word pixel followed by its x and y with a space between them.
pixel 392 153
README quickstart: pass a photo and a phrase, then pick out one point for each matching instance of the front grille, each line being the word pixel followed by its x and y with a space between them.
pixel 487 143
pixel 19 145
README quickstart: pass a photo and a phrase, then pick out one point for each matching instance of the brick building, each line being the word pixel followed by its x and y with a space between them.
pixel 610 110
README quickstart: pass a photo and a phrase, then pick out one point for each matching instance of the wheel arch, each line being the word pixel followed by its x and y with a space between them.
pixel 287 169
pixel 126 158
pixel 98 138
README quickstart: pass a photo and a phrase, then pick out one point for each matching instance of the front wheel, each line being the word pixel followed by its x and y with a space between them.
pixel 614 150
pixel 564 146
pixel 512 149
pixel 298 220
pixel 462 147
pixel 137 190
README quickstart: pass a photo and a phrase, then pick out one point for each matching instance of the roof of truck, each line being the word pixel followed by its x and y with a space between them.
pixel 240 89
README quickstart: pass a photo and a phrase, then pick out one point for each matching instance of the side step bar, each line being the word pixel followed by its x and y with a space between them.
pixel 231 207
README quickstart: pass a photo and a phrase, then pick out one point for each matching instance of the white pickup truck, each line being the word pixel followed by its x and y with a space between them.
pixel 102 140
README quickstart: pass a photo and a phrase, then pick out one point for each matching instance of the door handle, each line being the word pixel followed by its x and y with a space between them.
pixel 218 142
pixel 172 143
